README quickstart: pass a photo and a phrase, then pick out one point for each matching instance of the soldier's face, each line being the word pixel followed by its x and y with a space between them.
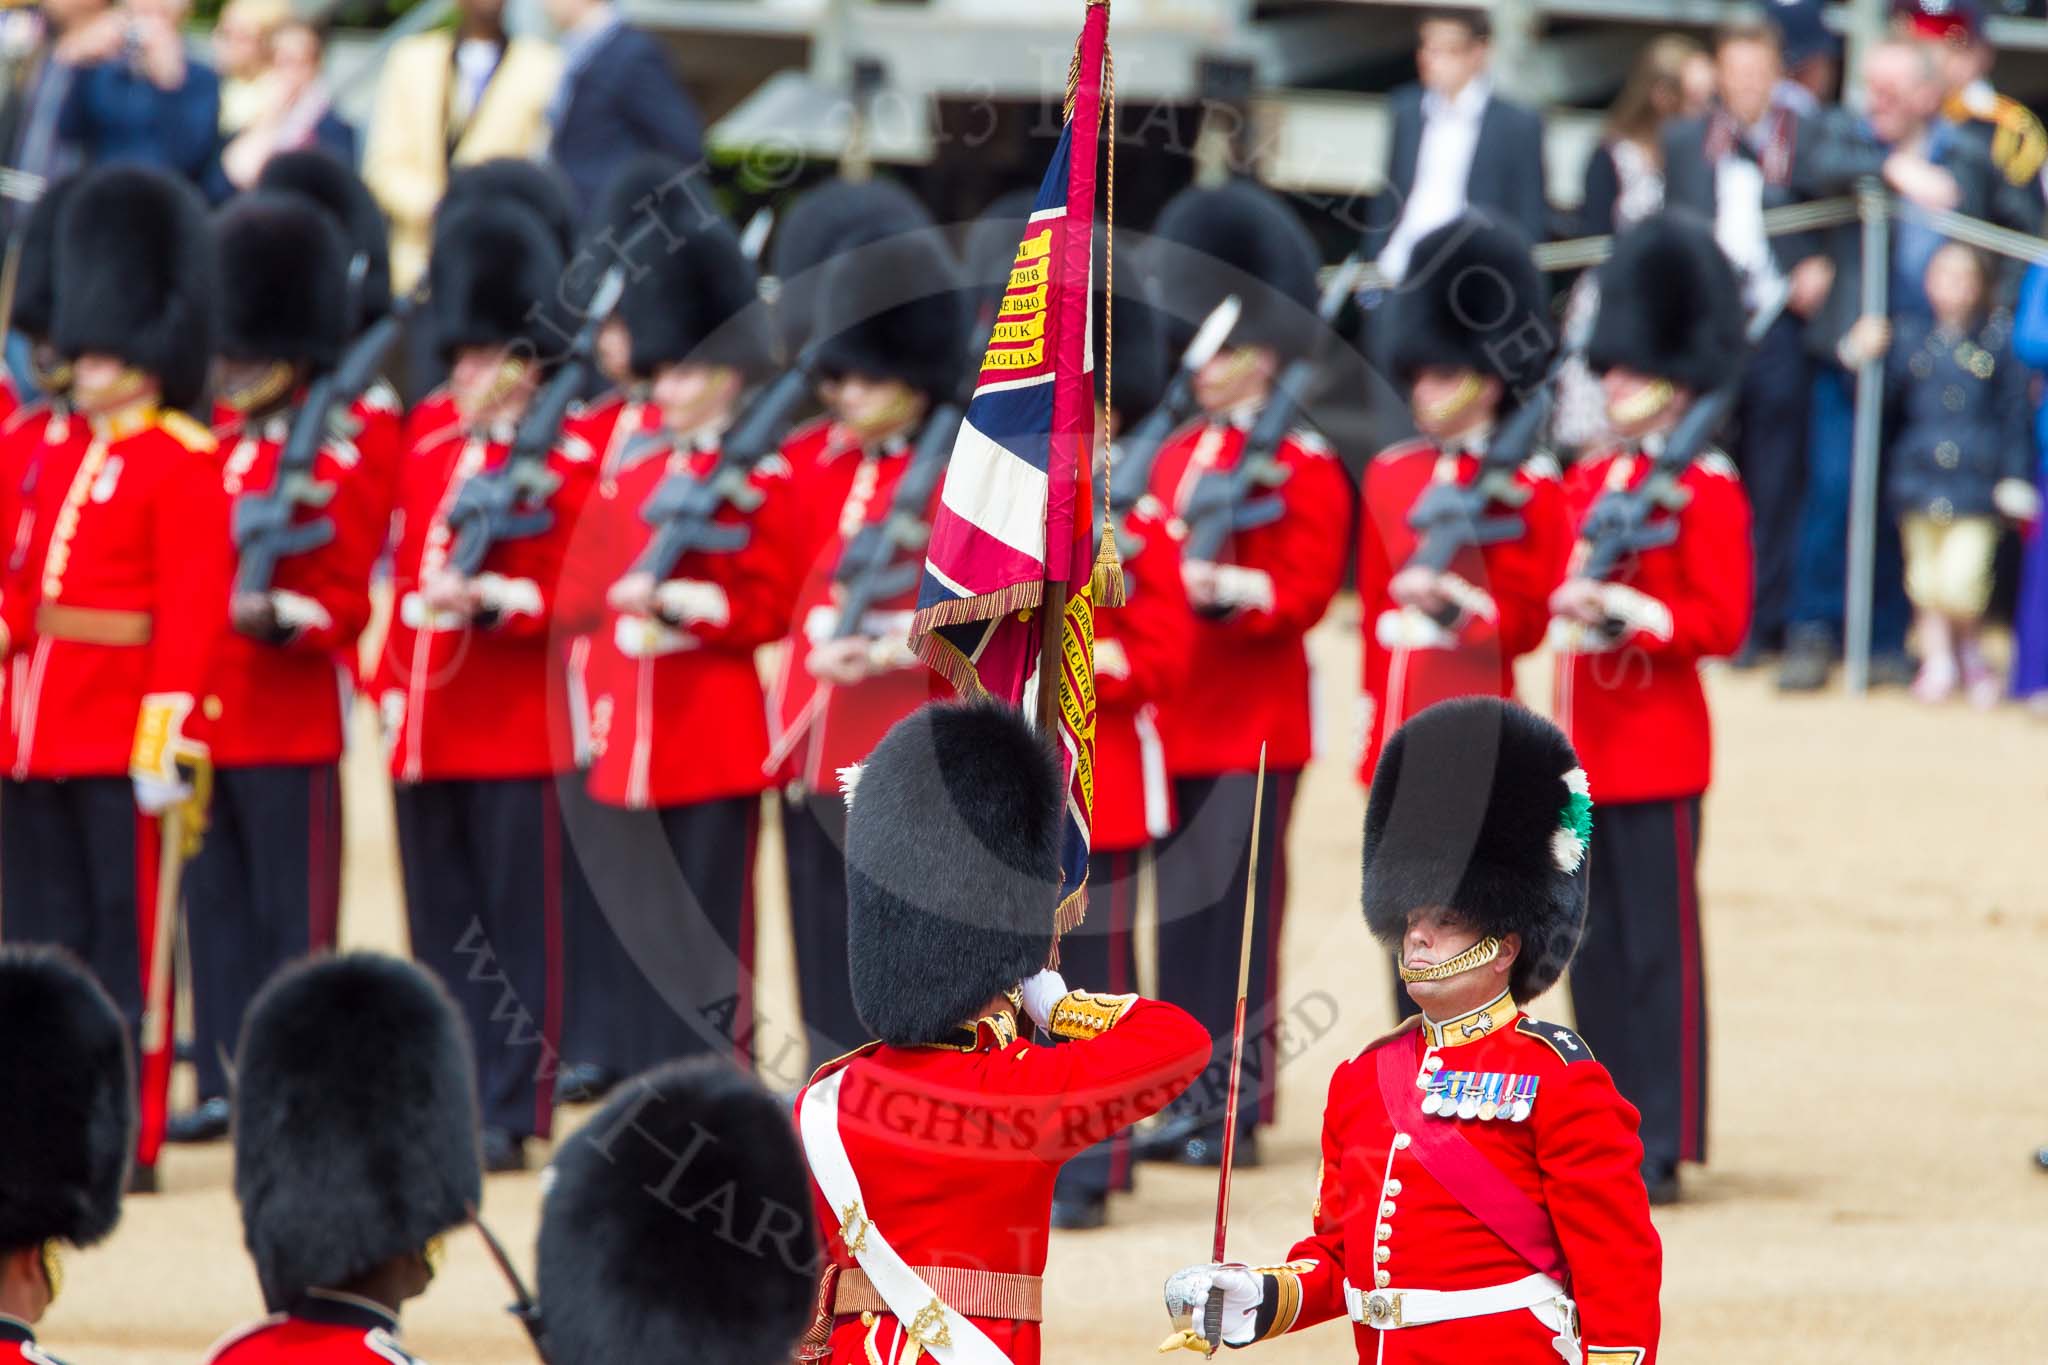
pixel 691 396
pixel 1234 377
pixel 1638 404
pixel 1438 934
pixel 874 408
pixel 489 383
pixel 1449 403
pixel 106 384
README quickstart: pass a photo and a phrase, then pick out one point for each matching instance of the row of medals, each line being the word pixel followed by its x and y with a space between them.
pixel 1485 1095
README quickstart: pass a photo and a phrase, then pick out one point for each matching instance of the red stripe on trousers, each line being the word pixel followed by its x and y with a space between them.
pixel 1691 1146
pixel 1275 863
pixel 323 870
pixel 551 919
pixel 155 1071
pixel 743 1020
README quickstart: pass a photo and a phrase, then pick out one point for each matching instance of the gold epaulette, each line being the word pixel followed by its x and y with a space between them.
pixel 1085 1014
pixel 187 431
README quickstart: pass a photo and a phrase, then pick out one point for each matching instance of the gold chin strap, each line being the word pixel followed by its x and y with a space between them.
pixel 1641 406
pixel 1478 955
pixel 53 1268
pixel 266 388
pixel 1461 398
pixel 53 378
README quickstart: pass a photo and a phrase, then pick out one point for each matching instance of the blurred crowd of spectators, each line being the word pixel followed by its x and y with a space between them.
pixel 118 80
pixel 1752 121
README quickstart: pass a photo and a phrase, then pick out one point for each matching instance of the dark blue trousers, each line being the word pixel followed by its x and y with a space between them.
pixel 1819 586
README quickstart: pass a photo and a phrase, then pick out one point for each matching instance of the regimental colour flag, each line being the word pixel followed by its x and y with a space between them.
pixel 1013 538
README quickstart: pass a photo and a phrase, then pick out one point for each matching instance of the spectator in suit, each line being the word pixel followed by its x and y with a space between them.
pixel 140 97
pixel 452 99
pixel 300 114
pixel 618 100
pixel 1929 163
pixel 1456 146
pixel 1729 166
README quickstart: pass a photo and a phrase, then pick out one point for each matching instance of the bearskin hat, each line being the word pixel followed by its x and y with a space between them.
pixel 820 223
pixel 136 276
pixel 952 867
pixel 284 280
pixel 1479 805
pixel 494 279
pixel 67 1102
pixel 1670 305
pixel 35 295
pixel 355 1121
pixel 626 1274
pixel 699 301
pixel 1138 370
pixel 1474 301
pixel 1243 240
pixel 895 309
pixel 348 201
pixel 538 188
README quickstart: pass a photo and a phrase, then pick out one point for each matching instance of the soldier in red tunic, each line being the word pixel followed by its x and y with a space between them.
pixel 1480 1197
pixel 41 443
pixel 125 610
pixel 67 1131
pixel 471 686
pixel 891 344
pixel 341 193
pixel 266 885
pixel 1255 598
pixel 1669 331
pixel 1470 340
pixel 678 720
pixel 355 1150
pixel 1141 657
pixel 933 1152
pixel 677 1226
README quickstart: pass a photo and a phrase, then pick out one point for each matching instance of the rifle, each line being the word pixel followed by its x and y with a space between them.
pixel 1139 448
pixel 263 524
pixel 885 559
pixel 1448 517
pixel 1222 503
pixel 1623 522
pixel 510 502
pixel 682 508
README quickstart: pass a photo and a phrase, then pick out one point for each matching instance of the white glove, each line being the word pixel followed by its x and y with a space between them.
pixel 1187 1296
pixel 154 796
pixel 2017 499
pixel 1041 993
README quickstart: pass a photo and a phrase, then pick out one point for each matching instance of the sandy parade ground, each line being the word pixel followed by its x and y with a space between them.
pixel 1877 942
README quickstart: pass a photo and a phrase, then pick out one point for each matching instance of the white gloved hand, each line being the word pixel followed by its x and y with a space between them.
pixel 1041 993
pixel 1187 1296
pixel 2016 499
pixel 154 796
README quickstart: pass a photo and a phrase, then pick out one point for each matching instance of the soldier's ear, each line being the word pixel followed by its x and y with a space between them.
pixel 1510 949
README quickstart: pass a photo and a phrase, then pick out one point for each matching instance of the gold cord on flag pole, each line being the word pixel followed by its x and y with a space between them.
pixel 1107 581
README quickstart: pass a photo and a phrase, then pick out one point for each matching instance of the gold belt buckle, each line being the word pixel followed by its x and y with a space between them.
pixel 1382 1310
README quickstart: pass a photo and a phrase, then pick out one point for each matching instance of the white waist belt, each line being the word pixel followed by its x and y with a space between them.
pixel 1387 1309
